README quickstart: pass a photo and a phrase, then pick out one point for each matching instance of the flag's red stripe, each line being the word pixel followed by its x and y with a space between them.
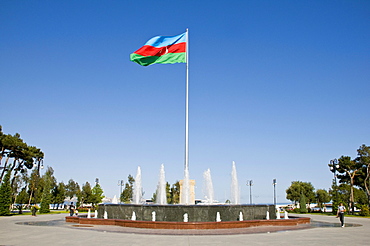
pixel 148 50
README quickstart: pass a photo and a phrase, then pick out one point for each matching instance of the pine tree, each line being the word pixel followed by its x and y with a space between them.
pixel 126 195
pixel 5 195
pixel 46 198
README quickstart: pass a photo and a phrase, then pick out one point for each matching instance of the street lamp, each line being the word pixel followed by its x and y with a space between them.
pixel 333 167
pixel 274 184
pixel 250 183
pixel 120 183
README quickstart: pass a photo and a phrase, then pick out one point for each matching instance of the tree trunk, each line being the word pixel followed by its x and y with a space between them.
pixel 5 165
pixel 16 172
pixel 351 198
pixel 367 183
pixel 29 201
pixel 2 154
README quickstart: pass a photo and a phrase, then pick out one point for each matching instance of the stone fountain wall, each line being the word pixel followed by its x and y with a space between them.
pixel 196 213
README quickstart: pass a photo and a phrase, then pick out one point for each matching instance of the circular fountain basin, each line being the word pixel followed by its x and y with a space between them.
pixel 194 213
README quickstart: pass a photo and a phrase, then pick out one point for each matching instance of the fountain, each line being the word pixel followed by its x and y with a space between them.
pixel 185 188
pixel 286 215
pixel 161 189
pixel 115 200
pixel 207 212
pixel 235 194
pixel 133 217
pixel 186 217
pixel 137 189
pixel 200 216
pixel 240 216
pixel 218 217
pixel 153 216
pixel 277 214
pixel 208 190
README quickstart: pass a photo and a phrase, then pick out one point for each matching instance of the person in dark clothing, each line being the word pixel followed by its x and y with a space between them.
pixel 71 209
pixel 34 210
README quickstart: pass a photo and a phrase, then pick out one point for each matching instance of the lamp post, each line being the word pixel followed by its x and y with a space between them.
pixel 274 184
pixel 120 183
pixel 39 164
pixel 250 183
pixel 333 167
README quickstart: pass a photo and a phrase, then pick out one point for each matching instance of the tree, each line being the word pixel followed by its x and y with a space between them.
pixel 6 144
pixel 297 188
pixel 175 193
pixel 72 189
pixel 154 196
pixel 349 169
pixel 31 156
pixel 355 172
pixel 18 158
pixel 364 160
pixel 126 195
pixel 5 195
pixel 58 194
pixel 168 192
pixel 302 204
pixel 49 182
pixel 85 195
pixel 97 195
pixel 344 192
pixel 322 196
pixel 34 188
pixel 16 186
pixel 23 156
pixel 13 149
pixel 360 197
pixel 22 197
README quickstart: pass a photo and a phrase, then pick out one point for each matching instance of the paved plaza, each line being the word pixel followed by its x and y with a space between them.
pixel 52 230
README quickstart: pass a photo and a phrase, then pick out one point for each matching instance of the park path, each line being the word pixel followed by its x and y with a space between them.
pixel 55 231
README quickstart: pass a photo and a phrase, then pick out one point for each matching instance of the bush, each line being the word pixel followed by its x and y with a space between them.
pixel 364 210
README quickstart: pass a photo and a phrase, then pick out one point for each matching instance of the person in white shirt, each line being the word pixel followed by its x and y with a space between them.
pixel 340 213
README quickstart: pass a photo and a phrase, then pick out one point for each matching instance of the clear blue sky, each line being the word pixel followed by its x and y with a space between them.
pixel 279 87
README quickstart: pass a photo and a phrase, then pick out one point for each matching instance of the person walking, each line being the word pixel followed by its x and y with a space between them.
pixel 340 213
pixel 71 209
pixel 34 209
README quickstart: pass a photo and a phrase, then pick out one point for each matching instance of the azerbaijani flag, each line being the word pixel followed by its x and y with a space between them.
pixel 161 49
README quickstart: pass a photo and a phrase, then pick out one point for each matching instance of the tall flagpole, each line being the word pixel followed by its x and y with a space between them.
pixel 187 104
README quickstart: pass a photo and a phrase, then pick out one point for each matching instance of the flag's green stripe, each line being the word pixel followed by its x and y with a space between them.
pixel 165 59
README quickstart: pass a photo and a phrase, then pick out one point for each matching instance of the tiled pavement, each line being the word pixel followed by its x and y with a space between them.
pixel 53 230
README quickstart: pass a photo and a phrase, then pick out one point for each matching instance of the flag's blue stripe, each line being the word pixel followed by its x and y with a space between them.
pixel 161 41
